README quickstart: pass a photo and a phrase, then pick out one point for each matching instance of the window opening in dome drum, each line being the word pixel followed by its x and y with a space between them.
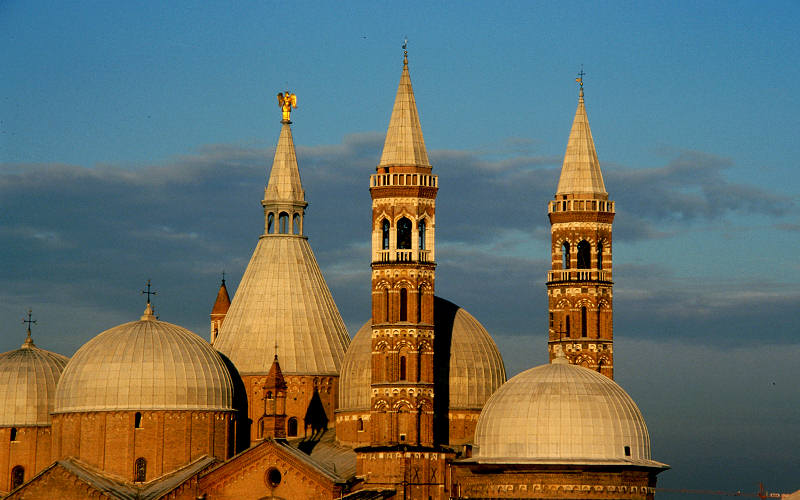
pixel 17 476
pixel 140 470
pixel 291 427
pixel 404 234
pixel 13 434
pixel 360 424
pixel 137 421
pixel 274 477
pixel 583 254
pixel 627 451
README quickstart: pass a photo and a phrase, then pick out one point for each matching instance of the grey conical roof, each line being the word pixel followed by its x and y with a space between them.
pixel 284 180
pixel 580 172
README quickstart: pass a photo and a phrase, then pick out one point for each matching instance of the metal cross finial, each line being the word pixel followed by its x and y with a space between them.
pixel 28 320
pixel 580 79
pixel 148 292
pixel 405 50
pixel 223 276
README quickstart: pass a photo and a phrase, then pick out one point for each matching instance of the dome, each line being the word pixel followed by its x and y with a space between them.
pixel 562 413
pixel 28 378
pixel 145 365
pixel 475 370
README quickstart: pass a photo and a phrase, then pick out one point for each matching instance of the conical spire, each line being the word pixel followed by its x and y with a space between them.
pixel 404 143
pixel 284 184
pixel 580 173
pixel 223 301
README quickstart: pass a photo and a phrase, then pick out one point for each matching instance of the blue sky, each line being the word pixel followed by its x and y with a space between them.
pixel 135 143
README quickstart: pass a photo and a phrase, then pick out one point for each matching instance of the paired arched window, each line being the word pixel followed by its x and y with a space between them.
pixel 140 470
pixel 17 476
pixel 403 304
pixel 600 255
pixel 421 227
pixel 403 234
pixel 283 220
pixel 385 234
pixel 137 421
pixel 584 255
pixel 565 256
pixel 291 427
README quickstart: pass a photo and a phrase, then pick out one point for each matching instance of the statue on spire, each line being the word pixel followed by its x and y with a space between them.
pixel 286 103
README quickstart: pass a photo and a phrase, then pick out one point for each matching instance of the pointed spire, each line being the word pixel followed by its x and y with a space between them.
pixel 284 179
pixel 404 143
pixel 223 302
pixel 580 172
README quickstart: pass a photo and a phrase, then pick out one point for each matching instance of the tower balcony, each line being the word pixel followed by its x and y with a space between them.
pixel 579 275
pixel 580 205
pixel 403 256
pixel 403 179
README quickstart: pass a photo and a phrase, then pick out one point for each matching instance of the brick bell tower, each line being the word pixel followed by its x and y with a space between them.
pixel 579 286
pixel 403 454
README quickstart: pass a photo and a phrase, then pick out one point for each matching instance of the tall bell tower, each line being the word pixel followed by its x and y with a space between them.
pixel 579 284
pixel 403 451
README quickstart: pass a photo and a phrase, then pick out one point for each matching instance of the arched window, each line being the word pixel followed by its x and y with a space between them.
pixel 600 256
pixel 402 367
pixel 404 234
pixel 137 421
pixel 261 428
pixel 422 234
pixel 403 304
pixel 360 424
pixel 296 224
pixel 583 321
pixel 385 234
pixel 386 305
pixel 568 332
pixel 271 223
pixel 584 252
pixel 269 394
pixel 140 470
pixel 419 304
pixel 13 434
pixel 388 366
pixel 17 476
pixel 565 256
pixel 283 219
pixel 291 427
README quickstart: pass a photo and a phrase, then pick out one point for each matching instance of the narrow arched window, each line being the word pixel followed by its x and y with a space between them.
pixel 137 421
pixel 291 427
pixel 422 234
pixel 269 394
pixel 402 367
pixel 385 234
pixel 283 220
pixel 17 476
pixel 360 424
pixel 599 256
pixel 404 234
pixel 386 305
pixel 261 428
pixel 271 223
pixel 296 224
pixel 565 256
pixel 583 322
pixel 568 332
pixel 140 470
pixel 403 304
pixel 419 304
pixel 584 253
pixel 13 434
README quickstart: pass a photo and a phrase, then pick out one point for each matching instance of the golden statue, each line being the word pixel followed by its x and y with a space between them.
pixel 286 103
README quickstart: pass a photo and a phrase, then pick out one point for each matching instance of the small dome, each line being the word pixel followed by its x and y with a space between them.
pixel 145 365
pixel 28 378
pixel 562 413
pixel 476 368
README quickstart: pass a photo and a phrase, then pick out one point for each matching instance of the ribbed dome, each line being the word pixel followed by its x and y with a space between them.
pixel 475 370
pixel 145 365
pixel 28 378
pixel 562 413
pixel 283 299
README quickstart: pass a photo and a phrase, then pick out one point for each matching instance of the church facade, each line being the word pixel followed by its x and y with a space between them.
pixel 282 404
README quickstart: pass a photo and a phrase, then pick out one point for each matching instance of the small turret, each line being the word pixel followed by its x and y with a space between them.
pixel 220 309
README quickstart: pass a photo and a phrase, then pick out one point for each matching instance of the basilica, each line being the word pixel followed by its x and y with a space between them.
pixel 282 403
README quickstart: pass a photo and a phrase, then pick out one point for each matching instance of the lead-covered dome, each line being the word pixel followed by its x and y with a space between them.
pixel 562 413
pixel 474 372
pixel 28 378
pixel 145 365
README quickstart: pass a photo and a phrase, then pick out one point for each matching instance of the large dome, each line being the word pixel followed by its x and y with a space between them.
pixel 145 365
pixel 562 413
pixel 475 370
pixel 28 378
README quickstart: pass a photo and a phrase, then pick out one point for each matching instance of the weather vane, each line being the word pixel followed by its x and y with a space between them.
pixel 580 79
pixel 148 292
pixel 405 50
pixel 286 103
